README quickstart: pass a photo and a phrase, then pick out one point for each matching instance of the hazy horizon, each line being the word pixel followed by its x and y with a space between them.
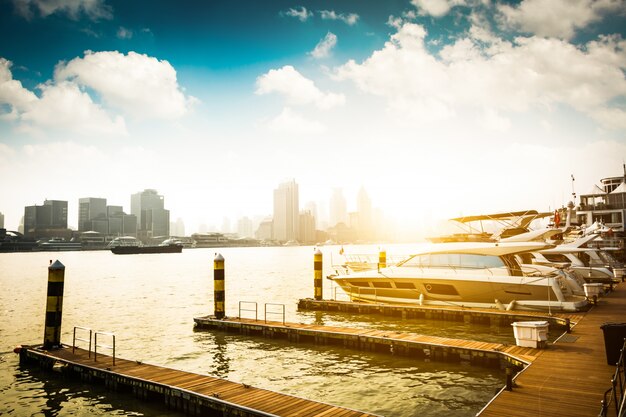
pixel 436 107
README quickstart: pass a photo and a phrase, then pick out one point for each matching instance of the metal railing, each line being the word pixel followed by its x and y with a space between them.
pixel 615 395
pixel 74 339
pixel 96 345
pixel 282 313
pixel 256 315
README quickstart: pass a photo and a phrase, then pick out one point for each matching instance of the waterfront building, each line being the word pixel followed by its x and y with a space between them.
pixel 307 234
pixel 286 212
pixel 338 211
pixel 48 220
pixel 245 227
pixel 153 220
pixel 1 221
pixel 264 231
pixel 90 209
pixel 177 228
pixel 605 205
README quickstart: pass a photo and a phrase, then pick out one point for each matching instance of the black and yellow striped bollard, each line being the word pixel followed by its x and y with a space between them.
pixel 317 274
pixel 218 286
pixel 382 259
pixel 54 306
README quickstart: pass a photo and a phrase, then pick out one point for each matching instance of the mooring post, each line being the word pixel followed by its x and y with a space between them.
pixel 382 259
pixel 509 378
pixel 54 306
pixel 317 273
pixel 218 286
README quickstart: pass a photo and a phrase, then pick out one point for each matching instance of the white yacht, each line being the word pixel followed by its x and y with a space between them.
pixel 471 274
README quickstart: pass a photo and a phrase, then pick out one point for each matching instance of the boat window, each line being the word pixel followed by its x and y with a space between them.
pixel 405 285
pixel 514 267
pixel 455 260
pixel 443 289
pixel 583 257
pixel 360 284
pixel 526 258
pixel 556 257
pixel 381 284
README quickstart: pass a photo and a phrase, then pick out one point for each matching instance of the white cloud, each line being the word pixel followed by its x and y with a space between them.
pixel 123 33
pixel 11 91
pixel 93 9
pixel 350 18
pixel 325 46
pixel 296 88
pixel 556 18
pixel 137 84
pixel 291 122
pixel 301 14
pixel 64 106
pixel 527 74
pixel 436 8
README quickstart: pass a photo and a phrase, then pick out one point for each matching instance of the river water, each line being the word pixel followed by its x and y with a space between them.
pixel 149 302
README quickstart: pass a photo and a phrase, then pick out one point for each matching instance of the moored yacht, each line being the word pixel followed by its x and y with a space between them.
pixel 470 274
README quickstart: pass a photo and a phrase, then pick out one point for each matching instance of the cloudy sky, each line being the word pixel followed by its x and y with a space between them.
pixel 437 107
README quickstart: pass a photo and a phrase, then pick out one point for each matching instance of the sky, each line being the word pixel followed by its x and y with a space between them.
pixel 437 108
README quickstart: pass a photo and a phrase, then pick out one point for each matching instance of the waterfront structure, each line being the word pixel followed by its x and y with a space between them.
pixel 177 228
pixel 337 208
pixel 264 231
pixel 307 234
pixel 48 220
pixel 286 212
pixel 153 219
pixel 1 221
pixel 245 227
pixel 94 215
pixel 605 205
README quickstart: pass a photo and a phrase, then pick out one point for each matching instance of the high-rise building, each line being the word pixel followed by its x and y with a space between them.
pixel 1 221
pixel 49 220
pixel 90 209
pixel 337 208
pixel 245 227
pixel 152 218
pixel 306 227
pixel 286 212
pixel 177 228
pixel 365 217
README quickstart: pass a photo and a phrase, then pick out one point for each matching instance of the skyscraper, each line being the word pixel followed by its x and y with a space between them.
pixel 49 220
pixel 337 208
pixel 152 218
pixel 89 209
pixel 286 212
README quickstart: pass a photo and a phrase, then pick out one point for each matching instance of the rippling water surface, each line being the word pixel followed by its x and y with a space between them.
pixel 149 302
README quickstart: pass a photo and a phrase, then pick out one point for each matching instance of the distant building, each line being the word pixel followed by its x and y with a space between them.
pixel 605 204
pixel 338 211
pixel 177 228
pixel 364 212
pixel 306 228
pixel 286 212
pixel 49 220
pixel 245 227
pixel 1 221
pixel 153 219
pixel 108 221
pixel 264 231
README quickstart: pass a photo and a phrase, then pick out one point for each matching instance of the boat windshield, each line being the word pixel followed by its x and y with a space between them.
pixel 454 260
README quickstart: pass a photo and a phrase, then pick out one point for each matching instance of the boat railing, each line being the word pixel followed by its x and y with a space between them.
pixel 615 394
pixel 281 313
pixel 102 345
pixel 82 339
pixel 255 310
pixel 343 293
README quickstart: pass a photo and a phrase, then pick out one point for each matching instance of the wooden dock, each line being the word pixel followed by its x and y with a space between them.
pixel 190 393
pixel 571 376
pixel 397 343
pixel 492 317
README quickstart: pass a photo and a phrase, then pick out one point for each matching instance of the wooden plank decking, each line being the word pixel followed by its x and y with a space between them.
pixel 435 347
pixel 571 376
pixel 189 392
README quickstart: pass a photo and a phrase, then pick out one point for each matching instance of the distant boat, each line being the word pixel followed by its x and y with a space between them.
pixel 127 245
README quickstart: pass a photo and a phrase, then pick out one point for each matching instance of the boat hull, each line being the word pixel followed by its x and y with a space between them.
pixel 133 250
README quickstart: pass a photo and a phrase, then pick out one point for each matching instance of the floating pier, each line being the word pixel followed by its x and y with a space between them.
pixel 572 375
pixel 400 343
pixel 491 317
pixel 190 393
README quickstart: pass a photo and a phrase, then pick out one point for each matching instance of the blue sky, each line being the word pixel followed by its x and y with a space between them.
pixel 436 107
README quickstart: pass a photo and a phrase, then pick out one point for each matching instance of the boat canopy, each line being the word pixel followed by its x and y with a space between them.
pixel 486 248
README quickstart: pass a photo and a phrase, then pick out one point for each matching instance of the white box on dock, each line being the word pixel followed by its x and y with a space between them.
pixel 530 333
pixel 593 289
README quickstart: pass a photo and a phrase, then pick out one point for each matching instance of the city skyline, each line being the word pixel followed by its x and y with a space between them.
pixel 438 108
